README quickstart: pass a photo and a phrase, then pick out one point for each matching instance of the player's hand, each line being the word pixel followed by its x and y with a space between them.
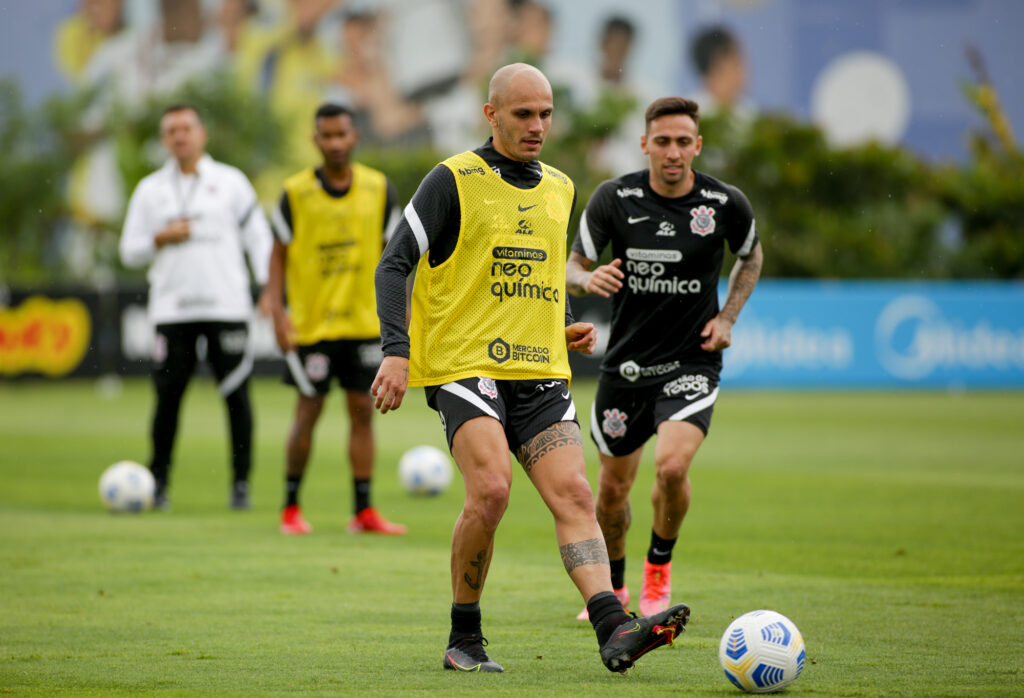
pixel 581 337
pixel 391 382
pixel 606 279
pixel 265 304
pixel 717 334
pixel 176 232
pixel 284 330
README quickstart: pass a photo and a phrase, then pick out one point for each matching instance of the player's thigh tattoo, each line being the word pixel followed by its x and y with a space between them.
pixel 614 522
pixel 558 435
pixel 584 552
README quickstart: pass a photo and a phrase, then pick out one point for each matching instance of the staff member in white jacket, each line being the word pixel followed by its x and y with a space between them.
pixel 190 222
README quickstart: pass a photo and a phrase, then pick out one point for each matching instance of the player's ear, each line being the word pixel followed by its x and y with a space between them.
pixel 700 144
pixel 490 113
pixel 643 144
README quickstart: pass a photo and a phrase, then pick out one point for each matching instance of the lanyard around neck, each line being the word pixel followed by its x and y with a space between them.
pixel 184 197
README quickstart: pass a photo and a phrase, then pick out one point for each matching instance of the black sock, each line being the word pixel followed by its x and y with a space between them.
pixel 362 492
pixel 660 551
pixel 606 614
pixel 618 573
pixel 291 490
pixel 465 621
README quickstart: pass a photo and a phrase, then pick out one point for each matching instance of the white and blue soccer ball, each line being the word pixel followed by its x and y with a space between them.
pixel 127 486
pixel 762 652
pixel 425 470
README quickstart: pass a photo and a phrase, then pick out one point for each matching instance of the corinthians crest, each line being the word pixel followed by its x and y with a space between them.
pixel 703 220
pixel 614 423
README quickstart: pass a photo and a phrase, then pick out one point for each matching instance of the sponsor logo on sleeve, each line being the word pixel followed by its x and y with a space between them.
pixel 719 196
pixel 624 192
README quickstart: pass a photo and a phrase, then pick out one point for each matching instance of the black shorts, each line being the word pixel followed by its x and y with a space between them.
pixel 354 362
pixel 623 418
pixel 177 347
pixel 525 408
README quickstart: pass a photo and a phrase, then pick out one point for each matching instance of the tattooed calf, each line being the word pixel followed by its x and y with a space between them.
pixel 584 552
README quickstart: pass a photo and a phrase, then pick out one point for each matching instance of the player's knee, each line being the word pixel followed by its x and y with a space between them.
pixel 577 495
pixel 487 502
pixel 613 489
pixel 672 471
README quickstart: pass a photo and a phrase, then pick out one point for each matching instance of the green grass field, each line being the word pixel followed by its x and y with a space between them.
pixel 889 527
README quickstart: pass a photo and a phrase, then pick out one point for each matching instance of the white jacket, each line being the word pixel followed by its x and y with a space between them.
pixel 204 278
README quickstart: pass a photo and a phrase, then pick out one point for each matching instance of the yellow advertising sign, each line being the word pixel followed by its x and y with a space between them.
pixel 44 335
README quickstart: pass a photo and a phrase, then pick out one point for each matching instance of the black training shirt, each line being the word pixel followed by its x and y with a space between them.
pixel 671 252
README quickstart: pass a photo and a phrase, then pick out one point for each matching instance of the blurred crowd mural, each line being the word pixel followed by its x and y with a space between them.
pixel 875 138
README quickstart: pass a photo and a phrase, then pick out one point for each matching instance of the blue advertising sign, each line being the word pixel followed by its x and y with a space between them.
pixel 868 334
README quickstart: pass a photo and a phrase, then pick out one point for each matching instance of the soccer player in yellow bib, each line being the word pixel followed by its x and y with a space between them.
pixel 488 339
pixel 330 228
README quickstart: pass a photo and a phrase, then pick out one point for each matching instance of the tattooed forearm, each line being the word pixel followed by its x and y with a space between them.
pixel 584 552
pixel 742 280
pixel 577 272
pixel 554 437
pixel 614 524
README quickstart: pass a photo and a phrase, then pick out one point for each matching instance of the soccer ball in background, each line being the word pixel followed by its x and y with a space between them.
pixel 762 652
pixel 424 470
pixel 127 486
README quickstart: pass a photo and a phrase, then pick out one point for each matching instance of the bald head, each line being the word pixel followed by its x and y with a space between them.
pixel 519 106
pixel 512 76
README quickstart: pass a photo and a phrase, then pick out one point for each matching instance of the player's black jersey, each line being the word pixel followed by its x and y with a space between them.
pixel 671 252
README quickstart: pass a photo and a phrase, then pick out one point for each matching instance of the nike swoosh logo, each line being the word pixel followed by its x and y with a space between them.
pixel 660 552
pixel 526 208
pixel 693 396
pixel 566 394
pixel 632 220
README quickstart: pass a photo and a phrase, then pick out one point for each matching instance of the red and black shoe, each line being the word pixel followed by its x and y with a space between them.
pixel 638 636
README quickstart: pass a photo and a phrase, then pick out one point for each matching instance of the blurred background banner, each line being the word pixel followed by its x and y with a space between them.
pixel 864 334
pixel 793 333
pixel 879 335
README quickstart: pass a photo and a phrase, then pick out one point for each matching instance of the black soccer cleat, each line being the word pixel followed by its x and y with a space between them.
pixel 240 496
pixel 638 636
pixel 161 500
pixel 467 654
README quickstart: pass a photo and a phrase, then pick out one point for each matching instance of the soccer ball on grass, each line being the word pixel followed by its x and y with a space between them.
pixel 762 652
pixel 424 470
pixel 127 486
